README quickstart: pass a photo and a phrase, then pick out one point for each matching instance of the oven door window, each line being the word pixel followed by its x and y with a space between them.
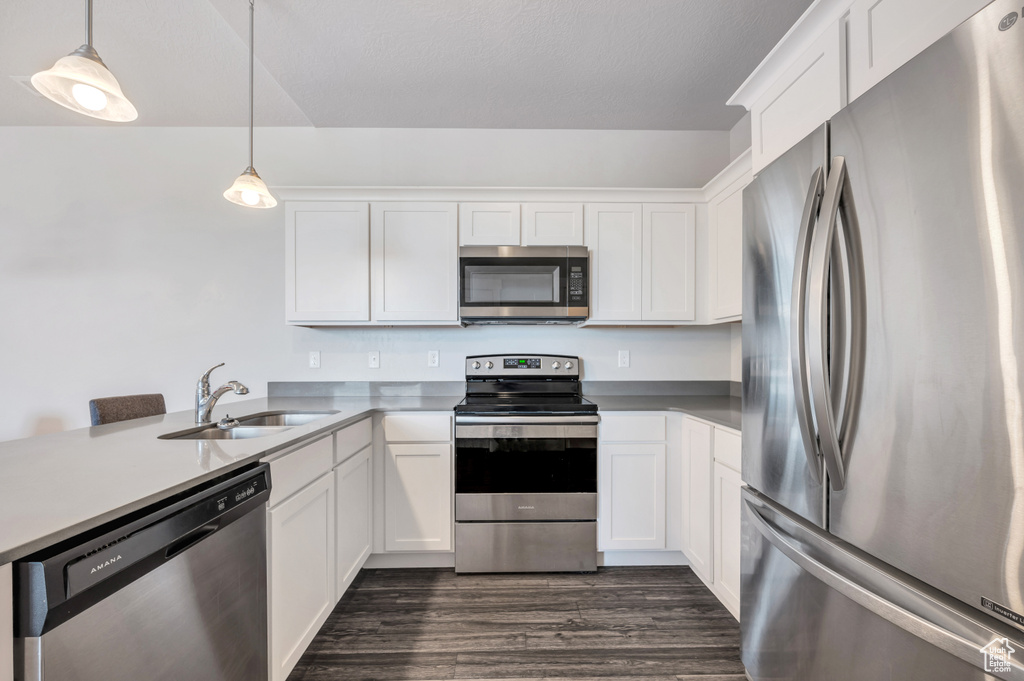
pixel 501 283
pixel 525 466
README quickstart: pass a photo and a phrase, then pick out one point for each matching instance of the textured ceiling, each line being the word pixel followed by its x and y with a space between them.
pixel 550 64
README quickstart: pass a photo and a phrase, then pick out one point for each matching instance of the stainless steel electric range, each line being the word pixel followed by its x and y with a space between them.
pixel 525 467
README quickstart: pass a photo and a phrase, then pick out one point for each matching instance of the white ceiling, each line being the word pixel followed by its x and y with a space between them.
pixel 546 64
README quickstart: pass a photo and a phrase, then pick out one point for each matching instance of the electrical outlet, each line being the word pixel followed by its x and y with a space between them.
pixel 433 358
pixel 314 359
pixel 374 362
pixel 623 359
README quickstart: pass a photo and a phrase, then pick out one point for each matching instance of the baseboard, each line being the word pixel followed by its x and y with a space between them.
pixel 637 558
pixel 410 560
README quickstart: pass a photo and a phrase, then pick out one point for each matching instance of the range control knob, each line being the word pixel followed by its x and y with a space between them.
pixel 568 365
pixel 489 365
pixel 476 365
pixel 556 365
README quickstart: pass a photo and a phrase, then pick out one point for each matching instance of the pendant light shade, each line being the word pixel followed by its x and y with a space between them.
pixel 249 189
pixel 81 82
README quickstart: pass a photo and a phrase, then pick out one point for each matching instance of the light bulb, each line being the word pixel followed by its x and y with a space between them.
pixel 91 98
pixel 250 197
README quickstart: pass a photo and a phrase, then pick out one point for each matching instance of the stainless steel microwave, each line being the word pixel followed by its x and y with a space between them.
pixel 524 284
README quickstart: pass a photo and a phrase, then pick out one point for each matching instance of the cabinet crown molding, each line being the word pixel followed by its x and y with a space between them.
pixel 493 194
pixel 808 28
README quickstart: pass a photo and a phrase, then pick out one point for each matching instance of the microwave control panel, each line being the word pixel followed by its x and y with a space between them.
pixel 578 294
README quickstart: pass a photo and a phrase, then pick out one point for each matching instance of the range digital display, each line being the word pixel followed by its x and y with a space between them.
pixel 522 363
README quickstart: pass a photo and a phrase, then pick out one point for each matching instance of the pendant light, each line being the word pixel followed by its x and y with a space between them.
pixel 81 82
pixel 249 190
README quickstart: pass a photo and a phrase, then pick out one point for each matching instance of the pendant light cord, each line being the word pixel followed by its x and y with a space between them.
pixel 88 23
pixel 252 10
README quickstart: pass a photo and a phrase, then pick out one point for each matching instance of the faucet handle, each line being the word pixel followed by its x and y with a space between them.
pixel 204 380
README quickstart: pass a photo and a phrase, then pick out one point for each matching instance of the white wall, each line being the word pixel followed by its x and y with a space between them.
pixel 736 360
pixel 123 270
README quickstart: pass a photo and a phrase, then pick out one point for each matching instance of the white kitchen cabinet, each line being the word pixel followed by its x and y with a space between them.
pixel 668 291
pixel 6 624
pixel 614 234
pixel 885 34
pixel 327 262
pixel 632 496
pixel 414 250
pixel 353 484
pixel 725 252
pixel 809 91
pixel 697 492
pixel 418 497
pixel 727 540
pixel 489 224
pixel 300 536
pixel 552 224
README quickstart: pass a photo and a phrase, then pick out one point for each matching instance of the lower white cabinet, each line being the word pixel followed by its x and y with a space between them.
pixel 300 536
pixel 418 497
pixel 697 509
pixel 727 484
pixel 353 485
pixel 632 496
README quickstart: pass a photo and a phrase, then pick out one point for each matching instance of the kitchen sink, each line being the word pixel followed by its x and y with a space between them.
pixel 283 418
pixel 250 426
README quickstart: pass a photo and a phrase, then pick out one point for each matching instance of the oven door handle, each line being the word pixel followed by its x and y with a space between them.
pixel 525 431
pixel 504 420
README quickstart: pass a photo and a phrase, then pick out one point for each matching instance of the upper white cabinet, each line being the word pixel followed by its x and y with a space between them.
pixel 807 94
pixel 669 262
pixel 552 224
pixel 886 34
pixel 415 261
pixel 327 262
pixel 489 224
pixel 614 234
pixel 725 243
pixel 642 260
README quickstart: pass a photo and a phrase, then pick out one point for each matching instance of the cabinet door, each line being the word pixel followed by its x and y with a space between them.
pixel 354 502
pixel 418 497
pixel 327 262
pixel 488 224
pixel 886 34
pixel 669 262
pixel 632 496
pixel 614 234
pixel 725 236
pixel 697 471
pixel 415 261
pixel 301 547
pixel 806 95
pixel 552 224
pixel 727 537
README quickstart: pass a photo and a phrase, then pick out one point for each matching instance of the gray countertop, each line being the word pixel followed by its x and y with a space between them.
pixel 53 487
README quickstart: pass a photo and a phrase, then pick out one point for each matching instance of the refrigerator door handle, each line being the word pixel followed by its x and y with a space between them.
pixel 838 199
pixel 911 605
pixel 798 336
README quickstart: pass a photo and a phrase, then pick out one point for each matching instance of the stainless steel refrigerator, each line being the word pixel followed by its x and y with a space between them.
pixel 883 374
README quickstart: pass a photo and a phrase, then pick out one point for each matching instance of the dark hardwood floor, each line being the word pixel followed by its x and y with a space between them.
pixel 653 623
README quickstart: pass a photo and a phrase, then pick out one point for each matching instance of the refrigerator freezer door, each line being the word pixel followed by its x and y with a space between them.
pixel 775 448
pixel 813 609
pixel 934 457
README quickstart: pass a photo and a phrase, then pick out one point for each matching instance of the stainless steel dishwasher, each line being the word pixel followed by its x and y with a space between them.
pixel 175 591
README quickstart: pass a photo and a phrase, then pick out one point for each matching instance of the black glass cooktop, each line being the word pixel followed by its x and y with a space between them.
pixel 525 404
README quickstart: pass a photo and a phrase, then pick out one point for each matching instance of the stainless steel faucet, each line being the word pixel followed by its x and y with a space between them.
pixel 205 400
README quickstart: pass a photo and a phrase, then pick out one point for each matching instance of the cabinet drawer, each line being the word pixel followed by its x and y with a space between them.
pixel 418 427
pixel 633 428
pixel 294 471
pixel 352 439
pixel 728 449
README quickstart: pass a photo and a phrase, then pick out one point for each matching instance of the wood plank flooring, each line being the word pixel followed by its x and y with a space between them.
pixel 651 623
